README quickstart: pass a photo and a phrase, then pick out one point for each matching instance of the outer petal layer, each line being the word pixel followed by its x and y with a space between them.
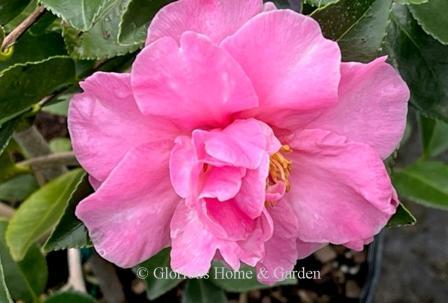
pixel 216 19
pixel 105 123
pixel 290 63
pixel 128 217
pixel 196 84
pixel 341 191
pixel 372 106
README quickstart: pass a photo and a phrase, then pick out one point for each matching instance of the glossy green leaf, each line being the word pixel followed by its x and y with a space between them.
pixel 402 217
pixel 22 85
pixel 219 273
pixel 135 21
pixel 412 1
pixel 202 291
pixel 70 297
pixel 40 213
pixel 359 27
pixel 80 14
pixel 27 278
pixel 320 3
pixel 152 270
pixel 18 188
pixel 2 34
pixel 9 169
pixel 424 182
pixel 4 292
pixel 6 131
pixel 10 9
pixel 101 41
pixel 35 48
pixel 432 16
pixel 70 232
pixel 434 136
pixel 422 61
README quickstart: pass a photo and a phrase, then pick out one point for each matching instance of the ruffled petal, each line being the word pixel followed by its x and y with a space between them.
pixel 340 189
pixel 128 216
pixel 372 107
pixel 216 19
pixel 196 84
pixel 105 123
pixel 291 65
pixel 244 143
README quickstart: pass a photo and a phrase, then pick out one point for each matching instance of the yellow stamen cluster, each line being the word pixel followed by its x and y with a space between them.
pixel 280 167
pixel 279 171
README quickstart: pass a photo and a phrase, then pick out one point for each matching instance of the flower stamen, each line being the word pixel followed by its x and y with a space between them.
pixel 280 168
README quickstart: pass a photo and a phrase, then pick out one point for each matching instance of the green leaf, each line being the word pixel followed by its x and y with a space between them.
pixel 18 188
pixel 155 286
pixel 60 106
pixel 434 136
pixel 80 14
pixel 320 3
pixel 26 279
pixel 202 291
pixel 101 41
pixel 70 297
pixel 60 145
pixel 402 217
pixel 70 232
pixel 8 169
pixel 358 26
pixel 22 85
pixel 35 48
pixel 219 273
pixel 40 213
pixel 6 131
pixel 424 182
pixel 412 1
pixel 135 20
pixel 10 9
pixel 4 292
pixel 422 62
pixel 432 17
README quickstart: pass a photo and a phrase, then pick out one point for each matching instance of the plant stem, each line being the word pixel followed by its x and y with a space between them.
pixel 15 34
pixel 65 159
pixel 34 145
pixel 76 279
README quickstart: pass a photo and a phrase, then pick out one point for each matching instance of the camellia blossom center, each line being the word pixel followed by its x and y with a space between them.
pixel 279 171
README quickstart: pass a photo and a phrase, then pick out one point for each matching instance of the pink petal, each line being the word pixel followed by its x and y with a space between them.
pixel 222 183
pixel 372 106
pixel 244 143
pixel 184 167
pixel 216 19
pixel 269 6
pixel 192 246
pixel 196 84
pixel 340 191
pixel 291 65
pixel 128 217
pixel 105 123
pixel 281 249
pixel 251 197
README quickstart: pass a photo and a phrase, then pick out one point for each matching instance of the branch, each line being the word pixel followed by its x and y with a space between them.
pixel 65 159
pixel 34 145
pixel 76 279
pixel 15 34
pixel 6 211
pixel 110 285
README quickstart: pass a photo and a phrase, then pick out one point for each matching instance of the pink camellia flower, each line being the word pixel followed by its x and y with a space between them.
pixel 238 135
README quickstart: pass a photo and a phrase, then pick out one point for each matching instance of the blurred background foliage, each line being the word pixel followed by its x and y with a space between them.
pixel 49 46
